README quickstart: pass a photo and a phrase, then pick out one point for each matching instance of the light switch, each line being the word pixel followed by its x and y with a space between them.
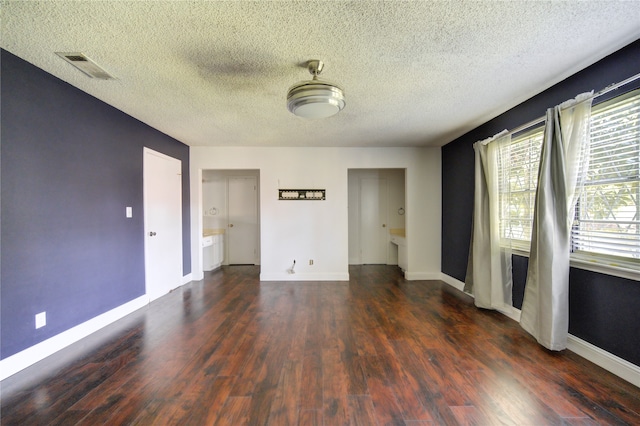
pixel 41 319
pixel 129 212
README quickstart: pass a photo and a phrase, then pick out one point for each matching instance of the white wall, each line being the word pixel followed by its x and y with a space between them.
pixel 318 230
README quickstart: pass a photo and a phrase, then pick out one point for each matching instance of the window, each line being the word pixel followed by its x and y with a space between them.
pixel 518 178
pixel 607 218
pixel 606 228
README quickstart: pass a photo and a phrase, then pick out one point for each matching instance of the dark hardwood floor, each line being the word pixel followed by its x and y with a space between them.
pixel 376 350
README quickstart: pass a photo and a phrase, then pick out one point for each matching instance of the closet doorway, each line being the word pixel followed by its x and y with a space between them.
pixel 162 192
pixel 373 220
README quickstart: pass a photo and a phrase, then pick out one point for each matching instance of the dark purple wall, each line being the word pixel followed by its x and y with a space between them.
pixel 603 310
pixel 70 165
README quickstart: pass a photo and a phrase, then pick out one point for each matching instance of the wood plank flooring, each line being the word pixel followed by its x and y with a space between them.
pixel 377 350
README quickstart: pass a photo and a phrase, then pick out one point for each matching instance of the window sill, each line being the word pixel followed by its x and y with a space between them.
pixel 622 271
pixel 519 252
pixel 580 262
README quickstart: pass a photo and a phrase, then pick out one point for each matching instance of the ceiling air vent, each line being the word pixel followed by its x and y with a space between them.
pixel 85 65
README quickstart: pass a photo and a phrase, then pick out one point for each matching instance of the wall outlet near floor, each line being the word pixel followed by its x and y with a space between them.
pixel 310 261
pixel 41 319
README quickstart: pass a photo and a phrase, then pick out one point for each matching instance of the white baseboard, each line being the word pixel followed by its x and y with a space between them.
pixel 511 312
pixel 186 279
pixel 415 276
pixel 610 362
pixel 329 276
pixel 457 284
pixel 23 359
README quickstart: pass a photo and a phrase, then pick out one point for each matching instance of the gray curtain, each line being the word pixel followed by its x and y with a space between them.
pixel 563 165
pixel 489 266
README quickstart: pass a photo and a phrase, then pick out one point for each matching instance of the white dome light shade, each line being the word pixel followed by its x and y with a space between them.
pixel 315 99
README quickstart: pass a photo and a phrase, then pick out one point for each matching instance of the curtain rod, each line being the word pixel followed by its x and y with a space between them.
pixel 609 88
pixel 527 125
pixel 615 86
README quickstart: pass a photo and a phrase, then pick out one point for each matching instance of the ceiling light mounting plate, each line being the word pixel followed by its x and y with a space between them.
pixel 315 67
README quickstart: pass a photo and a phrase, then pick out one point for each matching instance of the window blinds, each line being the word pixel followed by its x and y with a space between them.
pixel 608 211
pixel 520 161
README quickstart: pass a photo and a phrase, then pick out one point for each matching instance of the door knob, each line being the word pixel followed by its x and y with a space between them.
pixel 152 234
pixel 384 225
pixel 231 225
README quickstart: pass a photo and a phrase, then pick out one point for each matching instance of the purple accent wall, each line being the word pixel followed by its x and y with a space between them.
pixel 603 310
pixel 70 165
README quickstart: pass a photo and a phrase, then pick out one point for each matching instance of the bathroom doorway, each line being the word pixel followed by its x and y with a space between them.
pixel 231 205
pixel 376 213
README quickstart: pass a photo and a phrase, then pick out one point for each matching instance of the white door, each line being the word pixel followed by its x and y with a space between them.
pixel 374 236
pixel 242 231
pixel 162 223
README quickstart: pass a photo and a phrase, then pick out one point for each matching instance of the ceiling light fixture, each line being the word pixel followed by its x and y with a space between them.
pixel 315 98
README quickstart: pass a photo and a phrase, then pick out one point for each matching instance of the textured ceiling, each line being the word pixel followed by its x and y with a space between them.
pixel 414 73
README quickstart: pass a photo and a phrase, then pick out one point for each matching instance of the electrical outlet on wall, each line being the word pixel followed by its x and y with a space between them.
pixel 41 319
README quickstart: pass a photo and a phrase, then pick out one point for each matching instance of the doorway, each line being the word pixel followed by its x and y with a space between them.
pixel 376 208
pixel 231 203
pixel 162 193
